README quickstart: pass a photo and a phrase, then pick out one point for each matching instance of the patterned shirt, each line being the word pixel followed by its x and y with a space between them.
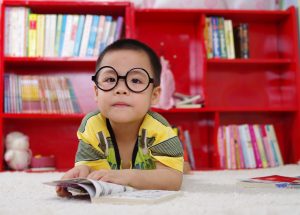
pixel 156 141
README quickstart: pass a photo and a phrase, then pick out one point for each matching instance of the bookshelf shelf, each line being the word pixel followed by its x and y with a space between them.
pixel 31 116
pixel 256 62
pixel 264 89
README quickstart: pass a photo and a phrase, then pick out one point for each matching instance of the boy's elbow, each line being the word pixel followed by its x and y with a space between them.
pixel 176 182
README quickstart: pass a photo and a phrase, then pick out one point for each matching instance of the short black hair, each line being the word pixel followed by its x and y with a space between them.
pixel 132 44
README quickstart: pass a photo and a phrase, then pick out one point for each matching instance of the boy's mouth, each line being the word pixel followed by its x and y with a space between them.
pixel 120 104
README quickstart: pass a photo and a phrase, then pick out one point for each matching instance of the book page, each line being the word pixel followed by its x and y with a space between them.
pixel 138 197
pixel 105 188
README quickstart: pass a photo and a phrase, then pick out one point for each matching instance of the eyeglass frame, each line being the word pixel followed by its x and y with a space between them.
pixel 151 80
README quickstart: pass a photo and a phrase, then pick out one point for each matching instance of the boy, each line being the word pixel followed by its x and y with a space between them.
pixel 124 142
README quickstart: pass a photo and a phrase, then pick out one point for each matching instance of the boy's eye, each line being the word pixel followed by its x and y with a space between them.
pixel 136 81
pixel 110 80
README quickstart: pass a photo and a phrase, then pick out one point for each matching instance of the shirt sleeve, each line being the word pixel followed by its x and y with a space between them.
pixel 89 153
pixel 168 151
pixel 166 147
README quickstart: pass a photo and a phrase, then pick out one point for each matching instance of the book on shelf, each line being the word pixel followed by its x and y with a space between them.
pixel 39 94
pixel 188 101
pixel 226 40
pixel 104 192
pixel 58 35
pixel 271 181
pixel 248 146
pixel 241 37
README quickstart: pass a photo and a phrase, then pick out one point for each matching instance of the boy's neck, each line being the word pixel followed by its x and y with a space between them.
pixel 126 132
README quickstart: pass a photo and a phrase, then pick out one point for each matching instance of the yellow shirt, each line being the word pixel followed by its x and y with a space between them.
pixel 156 141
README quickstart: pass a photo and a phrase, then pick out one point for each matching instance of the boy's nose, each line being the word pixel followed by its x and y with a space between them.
pixel 121 87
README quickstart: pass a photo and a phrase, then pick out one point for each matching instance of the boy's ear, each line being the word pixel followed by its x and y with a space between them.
pixel 155 95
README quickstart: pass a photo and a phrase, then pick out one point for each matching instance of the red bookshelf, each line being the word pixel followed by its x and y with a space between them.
pixel 263 89
pixel 55 134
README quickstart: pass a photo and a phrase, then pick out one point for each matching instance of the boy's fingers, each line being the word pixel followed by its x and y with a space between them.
pixel 62 192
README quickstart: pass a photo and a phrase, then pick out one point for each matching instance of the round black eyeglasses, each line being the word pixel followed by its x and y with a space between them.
pixel 136 79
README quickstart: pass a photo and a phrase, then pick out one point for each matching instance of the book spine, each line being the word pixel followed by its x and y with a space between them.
pixel 119 28
pixel 243 141
pixel 57 34
pixel 32 35
pixel 208 35
pixel 255 147
pixel 250 149
pixel 221 147
pixel 216 38
pixel 272 135
pixel 268 148
pixel 85 36
pixel 189 148
pixel 62 34
pixel 74 29
pixel 79 35
pixel 260 146
pixel 107 24
pixel 228 147
pixel 40 35
pixel 233 157
pixel 65 49
pixel 92 36
pixel 99 35
pixel 223 49
pixel 244 41
pixel 239 150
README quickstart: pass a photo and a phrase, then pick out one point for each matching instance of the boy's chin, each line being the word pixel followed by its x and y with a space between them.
pixel 124 118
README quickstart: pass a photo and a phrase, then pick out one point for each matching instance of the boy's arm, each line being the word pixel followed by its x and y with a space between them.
pixel 161 178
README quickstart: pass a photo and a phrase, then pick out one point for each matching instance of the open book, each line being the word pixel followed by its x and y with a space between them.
pixel 271 181
pixel 100 191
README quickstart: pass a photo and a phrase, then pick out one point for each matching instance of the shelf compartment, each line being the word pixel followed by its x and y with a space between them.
pixel 176 35
pixel 267 87
pixel 55 137
pixel 283 124
pixel 201 128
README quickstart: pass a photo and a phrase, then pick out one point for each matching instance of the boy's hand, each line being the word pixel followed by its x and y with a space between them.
pixel 76 172
pixel 113 176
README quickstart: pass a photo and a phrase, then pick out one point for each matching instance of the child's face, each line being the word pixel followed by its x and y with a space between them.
pixel 120 104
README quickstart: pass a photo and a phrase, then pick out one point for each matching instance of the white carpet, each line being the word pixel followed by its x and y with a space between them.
pixel 205 192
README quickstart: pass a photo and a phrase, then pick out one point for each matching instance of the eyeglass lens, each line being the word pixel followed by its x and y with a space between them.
pixel 136 79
